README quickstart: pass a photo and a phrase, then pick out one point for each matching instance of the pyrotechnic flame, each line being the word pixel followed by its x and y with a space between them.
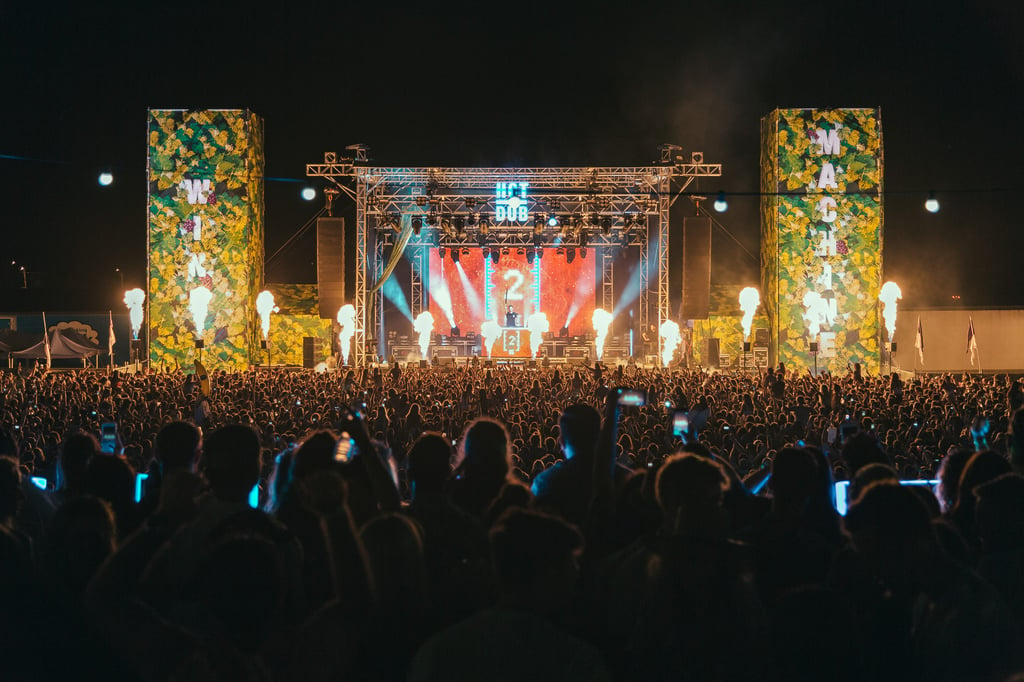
pixel 538 326
pixel 889 294
pixel 750 299
pixel 134 298
pixel 602 320
pixel 199 304
pixel 347 320
pixel 814 309
pixel 424 325
pixel 490 330
pixel 265 306
pixel 669 332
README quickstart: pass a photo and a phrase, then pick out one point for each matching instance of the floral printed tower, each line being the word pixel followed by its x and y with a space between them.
pixel 205 236
pixel 821 236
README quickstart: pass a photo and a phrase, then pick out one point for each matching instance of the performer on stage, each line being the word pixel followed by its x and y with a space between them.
pixel 511 318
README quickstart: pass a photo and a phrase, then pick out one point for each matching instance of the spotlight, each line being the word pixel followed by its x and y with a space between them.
pixel 417 226
pixel 495 255
pixel 563 333
pixel 455 332
pixel 540 252
pixel 484 226
pixel 472 219
pixel 440 252
pixel 583 252
pixel 529 256
pixel 552 220
pixel 421 200
pixel 606 225
pixel 720 203
pixel 570 254
pixel 106 179
pixel 308 193
pixel 432 219
pixel 455 255
pixel 932 204
pixel 584 237
pixel 486 252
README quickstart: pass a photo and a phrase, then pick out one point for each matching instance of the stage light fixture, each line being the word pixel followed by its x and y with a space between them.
pixel 421 200
pixel 106 179
pixel 432 219
pixel 417 226
pixel 563 333
pixel 584 238
pixel 932 204
pixel 720 203
pixel 455 255
pixel 570 254
pixel 308 193
pixel 552 220
pixel 455 332
pixel 529 256
pixel 559 251
pixel 583 252
pixel 485 227
pixel 606 225
pixel 472 219
pixel 440 252
pixel 495 256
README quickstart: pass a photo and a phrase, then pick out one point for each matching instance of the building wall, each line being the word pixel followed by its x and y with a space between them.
pixel 999 333
pixel 205 232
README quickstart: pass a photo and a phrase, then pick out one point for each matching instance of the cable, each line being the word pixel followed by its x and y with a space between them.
pixel 720 226
pixel 299 232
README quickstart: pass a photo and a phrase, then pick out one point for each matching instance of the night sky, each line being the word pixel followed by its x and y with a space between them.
pixel 509 84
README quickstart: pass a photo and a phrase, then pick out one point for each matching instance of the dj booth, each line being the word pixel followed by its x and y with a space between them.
pixel 514 342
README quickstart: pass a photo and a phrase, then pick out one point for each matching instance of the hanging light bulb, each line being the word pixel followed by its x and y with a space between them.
pixel 720 203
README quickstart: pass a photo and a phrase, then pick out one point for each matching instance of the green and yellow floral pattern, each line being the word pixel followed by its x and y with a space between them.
pixel 206 213
pixel 803 251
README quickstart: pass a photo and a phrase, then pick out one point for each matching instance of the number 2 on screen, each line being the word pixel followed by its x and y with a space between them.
pixel 513 292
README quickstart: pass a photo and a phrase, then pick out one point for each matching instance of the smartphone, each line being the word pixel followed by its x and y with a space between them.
pixel 842 490
pixel 680 423
pixel 345 449
pixel 40 482
pixel 633 397
pixel 832 431
pixel 108 438
pixel 140 486
pixel 254 497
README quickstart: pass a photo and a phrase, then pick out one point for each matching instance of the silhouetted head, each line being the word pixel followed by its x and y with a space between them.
pixel 10 489
pixel 429 462
pixel 892 530
pixel 534 557
pixel 999 513
pixel 75 452
pixel 486 453
pixel 231 461
pixel 177 447
pixel 579 426
pixel 690 489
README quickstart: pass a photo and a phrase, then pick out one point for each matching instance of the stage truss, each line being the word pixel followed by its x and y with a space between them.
pixel 590 207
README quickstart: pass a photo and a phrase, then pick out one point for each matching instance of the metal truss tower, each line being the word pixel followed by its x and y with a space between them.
pixel 510 207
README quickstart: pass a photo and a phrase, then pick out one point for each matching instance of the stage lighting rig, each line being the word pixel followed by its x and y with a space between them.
pixel 417 226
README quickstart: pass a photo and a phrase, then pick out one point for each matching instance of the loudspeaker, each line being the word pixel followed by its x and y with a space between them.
pixel 696 268
pixel 761 337
pixel 330 265
pixel 311 349
pixel 714 353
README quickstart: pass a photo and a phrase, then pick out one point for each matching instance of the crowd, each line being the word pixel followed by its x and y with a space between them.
pixel 510 523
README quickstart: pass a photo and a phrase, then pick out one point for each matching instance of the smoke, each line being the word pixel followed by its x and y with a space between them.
pixel 472 298
pixel 602 320
pixel 347 320
pixel 583 293
pixel 889 294
pixel 424 326
pixel 490 330
pixel 538 326
pixel 199 304
pixel 134 298
pixel 265 306
pixel 441 295
pixel 750 299
pixel 671 338
pixel 815 308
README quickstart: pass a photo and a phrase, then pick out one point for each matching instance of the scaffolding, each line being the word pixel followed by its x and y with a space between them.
pixel 529 208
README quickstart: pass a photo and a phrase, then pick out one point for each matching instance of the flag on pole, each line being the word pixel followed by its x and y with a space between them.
pixel 46 342
pixel 972 341
pixel 919 340
pixel 111 339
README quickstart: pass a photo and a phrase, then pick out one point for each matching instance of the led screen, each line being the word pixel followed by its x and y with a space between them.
pixel 476 289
